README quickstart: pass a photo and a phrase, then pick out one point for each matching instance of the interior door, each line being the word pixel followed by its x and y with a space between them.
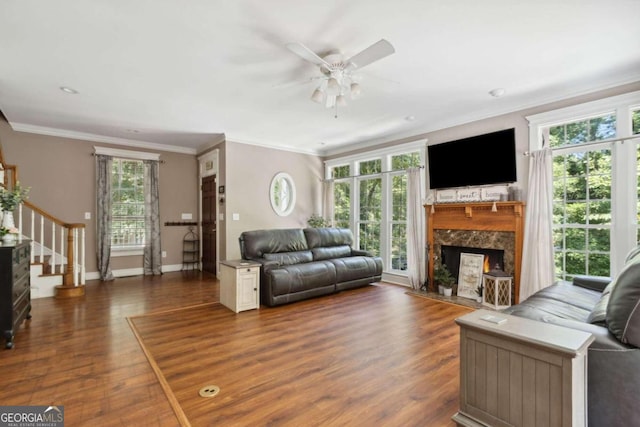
pixel 209 224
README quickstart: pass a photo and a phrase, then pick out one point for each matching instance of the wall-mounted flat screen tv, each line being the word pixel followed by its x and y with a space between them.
pixel 478 160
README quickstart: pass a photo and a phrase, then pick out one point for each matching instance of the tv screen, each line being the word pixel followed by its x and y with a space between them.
pixel 478 160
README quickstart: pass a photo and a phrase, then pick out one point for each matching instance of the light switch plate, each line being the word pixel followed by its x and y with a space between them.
pixel 187 216
pixel 236 217
pixel 87 215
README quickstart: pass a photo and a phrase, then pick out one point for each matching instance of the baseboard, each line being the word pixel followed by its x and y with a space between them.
pixel 127 272
pixel 396 279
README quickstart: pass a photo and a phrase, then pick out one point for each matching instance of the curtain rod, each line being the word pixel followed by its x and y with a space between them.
pixel 371 174
pixel 587 144
pixel 128 158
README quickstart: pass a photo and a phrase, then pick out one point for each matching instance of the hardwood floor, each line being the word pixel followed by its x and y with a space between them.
pixel 370 356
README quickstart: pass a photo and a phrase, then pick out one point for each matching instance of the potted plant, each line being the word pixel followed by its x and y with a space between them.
pixel 8 235
pixel 443 278
pixel 316 221
pixel 9 201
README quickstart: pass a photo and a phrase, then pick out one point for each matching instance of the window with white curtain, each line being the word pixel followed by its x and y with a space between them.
pixel 370 198
pixel 596 177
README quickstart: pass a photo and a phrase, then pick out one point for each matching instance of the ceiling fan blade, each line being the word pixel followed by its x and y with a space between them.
pixel 305 53
pixel 298 82
pixel 371 54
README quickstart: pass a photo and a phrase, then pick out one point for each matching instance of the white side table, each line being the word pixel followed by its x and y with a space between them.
pixel 240 285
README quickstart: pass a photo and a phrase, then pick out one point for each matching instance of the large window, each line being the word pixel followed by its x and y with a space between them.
pixel 370 205
pixel 398 220
pixel 127 208
pixel 596 182
pixel 582 196
pixel 370 197
pixel 342 196
pixel 635 117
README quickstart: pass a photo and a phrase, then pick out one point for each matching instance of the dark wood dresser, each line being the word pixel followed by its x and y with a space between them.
pixel 15 289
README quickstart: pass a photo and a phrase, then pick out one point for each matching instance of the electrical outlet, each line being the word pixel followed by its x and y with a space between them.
pixel 164 254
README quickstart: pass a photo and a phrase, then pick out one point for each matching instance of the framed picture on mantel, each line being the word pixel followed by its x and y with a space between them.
pixel 470 274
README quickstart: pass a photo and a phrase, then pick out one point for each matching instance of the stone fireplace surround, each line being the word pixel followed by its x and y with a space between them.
pixel 476 225
pixel 450 252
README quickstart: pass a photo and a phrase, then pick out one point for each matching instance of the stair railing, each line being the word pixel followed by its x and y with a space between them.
pixel 47 234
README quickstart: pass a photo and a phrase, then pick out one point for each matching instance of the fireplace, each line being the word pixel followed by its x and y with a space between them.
pixel 450 256
pixel 494 225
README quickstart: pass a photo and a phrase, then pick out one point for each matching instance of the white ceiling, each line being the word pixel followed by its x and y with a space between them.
pixel 181 73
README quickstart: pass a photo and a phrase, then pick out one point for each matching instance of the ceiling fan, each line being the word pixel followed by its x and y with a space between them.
pixel 337 79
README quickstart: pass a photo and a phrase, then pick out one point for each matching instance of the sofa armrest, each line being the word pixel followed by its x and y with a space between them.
pixel 595 283
pixel 358 252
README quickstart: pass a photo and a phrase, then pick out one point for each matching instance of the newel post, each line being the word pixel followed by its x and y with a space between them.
pixel 71 286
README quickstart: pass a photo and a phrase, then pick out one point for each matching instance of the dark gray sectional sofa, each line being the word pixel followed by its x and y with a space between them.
pixel 304 263
pixel 610 310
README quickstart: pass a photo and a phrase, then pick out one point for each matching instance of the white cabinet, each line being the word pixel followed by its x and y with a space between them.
pixel 240 285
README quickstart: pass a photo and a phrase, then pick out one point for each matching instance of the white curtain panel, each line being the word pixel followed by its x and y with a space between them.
pixel 415 230
pixel 327 190
pixel 537 253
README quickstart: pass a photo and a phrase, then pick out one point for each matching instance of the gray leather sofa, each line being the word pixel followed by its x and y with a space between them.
pixel 610 310
pixel 304 263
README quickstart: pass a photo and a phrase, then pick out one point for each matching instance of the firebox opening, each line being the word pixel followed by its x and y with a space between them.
pixel 450 256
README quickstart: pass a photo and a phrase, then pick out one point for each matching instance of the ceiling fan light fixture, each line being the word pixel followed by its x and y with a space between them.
pixel 333 87
pixel 355 90
pixel 337 72
pixel 317 96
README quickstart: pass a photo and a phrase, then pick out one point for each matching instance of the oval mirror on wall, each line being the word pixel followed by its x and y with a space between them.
pixel 282 193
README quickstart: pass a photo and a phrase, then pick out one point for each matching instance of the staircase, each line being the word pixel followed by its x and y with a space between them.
pixel 57 247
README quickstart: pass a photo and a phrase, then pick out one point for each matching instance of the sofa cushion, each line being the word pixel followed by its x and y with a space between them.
pixel 331 252
pixel 288 258
pixel 632 254
pixel 623 309
pixel 254 244
pixel 302 277
pixel 327 237
pixel 598 315
pixel 357 267
pixel 562 300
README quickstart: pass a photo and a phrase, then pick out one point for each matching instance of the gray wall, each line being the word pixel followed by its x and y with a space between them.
pixel 248 173
pixel 61 171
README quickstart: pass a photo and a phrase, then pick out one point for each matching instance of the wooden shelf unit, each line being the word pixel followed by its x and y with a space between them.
pixel 478 216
